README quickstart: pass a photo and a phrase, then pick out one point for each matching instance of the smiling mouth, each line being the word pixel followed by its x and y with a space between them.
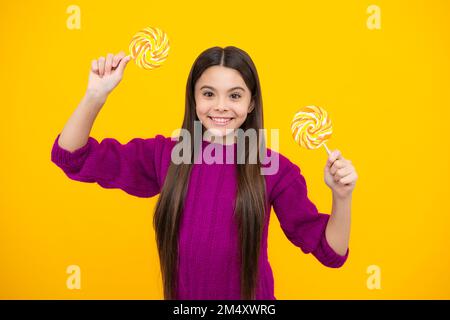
pixel 221 121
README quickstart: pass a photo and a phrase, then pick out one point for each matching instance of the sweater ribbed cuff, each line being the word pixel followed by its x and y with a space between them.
pixel 330 257
pixel 68 160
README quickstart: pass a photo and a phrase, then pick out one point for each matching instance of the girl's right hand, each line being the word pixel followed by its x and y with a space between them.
pixel 106 74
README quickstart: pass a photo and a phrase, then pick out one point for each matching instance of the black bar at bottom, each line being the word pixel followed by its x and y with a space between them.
pixel 229 309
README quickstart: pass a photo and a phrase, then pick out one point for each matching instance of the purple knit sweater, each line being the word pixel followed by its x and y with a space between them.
pixel 209 261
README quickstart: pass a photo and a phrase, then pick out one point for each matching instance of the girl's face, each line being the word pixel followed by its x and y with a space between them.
pixel 222 101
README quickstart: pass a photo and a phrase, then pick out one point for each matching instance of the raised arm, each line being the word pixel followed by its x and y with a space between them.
pixel 104 75
pixel 132 167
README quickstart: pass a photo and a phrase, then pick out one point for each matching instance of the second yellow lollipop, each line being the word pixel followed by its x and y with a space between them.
pixel 311 127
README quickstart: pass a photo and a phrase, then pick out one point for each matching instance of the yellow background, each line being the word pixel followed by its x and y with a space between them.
pixel 386 90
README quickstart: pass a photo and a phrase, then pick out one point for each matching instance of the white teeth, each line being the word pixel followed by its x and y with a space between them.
pixel 221 120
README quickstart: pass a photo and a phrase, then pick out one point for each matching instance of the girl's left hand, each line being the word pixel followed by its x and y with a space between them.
pixel 340 175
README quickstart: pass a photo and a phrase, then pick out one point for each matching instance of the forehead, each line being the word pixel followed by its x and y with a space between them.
pixel 221 78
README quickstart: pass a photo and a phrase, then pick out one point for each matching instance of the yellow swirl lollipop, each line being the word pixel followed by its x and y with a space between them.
pixel 311 127
pixel 149 47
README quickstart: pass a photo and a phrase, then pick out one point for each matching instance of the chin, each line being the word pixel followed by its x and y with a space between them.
pixel 220 132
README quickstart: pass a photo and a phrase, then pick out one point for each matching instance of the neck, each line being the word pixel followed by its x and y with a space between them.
pixel 225 140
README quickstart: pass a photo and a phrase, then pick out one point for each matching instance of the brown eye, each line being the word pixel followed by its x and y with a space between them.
pixel 207 92
pixel 237 95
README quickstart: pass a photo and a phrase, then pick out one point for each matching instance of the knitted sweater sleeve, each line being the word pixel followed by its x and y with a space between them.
pixel 299 218
pixel 131 167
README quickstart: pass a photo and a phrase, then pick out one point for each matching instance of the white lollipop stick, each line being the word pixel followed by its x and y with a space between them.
pixel 326 148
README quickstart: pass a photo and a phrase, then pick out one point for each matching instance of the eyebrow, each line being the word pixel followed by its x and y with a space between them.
pixel 234 88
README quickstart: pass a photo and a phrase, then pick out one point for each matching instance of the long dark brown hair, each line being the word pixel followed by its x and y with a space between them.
pixel 250 205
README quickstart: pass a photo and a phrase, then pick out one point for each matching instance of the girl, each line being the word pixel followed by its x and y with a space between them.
pixel 211 220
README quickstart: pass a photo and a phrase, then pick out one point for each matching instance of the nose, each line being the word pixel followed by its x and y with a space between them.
pixel 221 104
pixel 221 107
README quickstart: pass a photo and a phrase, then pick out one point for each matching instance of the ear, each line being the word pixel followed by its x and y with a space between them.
pixel 251 107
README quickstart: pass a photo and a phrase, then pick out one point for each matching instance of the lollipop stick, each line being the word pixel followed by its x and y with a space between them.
pixel 326 148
